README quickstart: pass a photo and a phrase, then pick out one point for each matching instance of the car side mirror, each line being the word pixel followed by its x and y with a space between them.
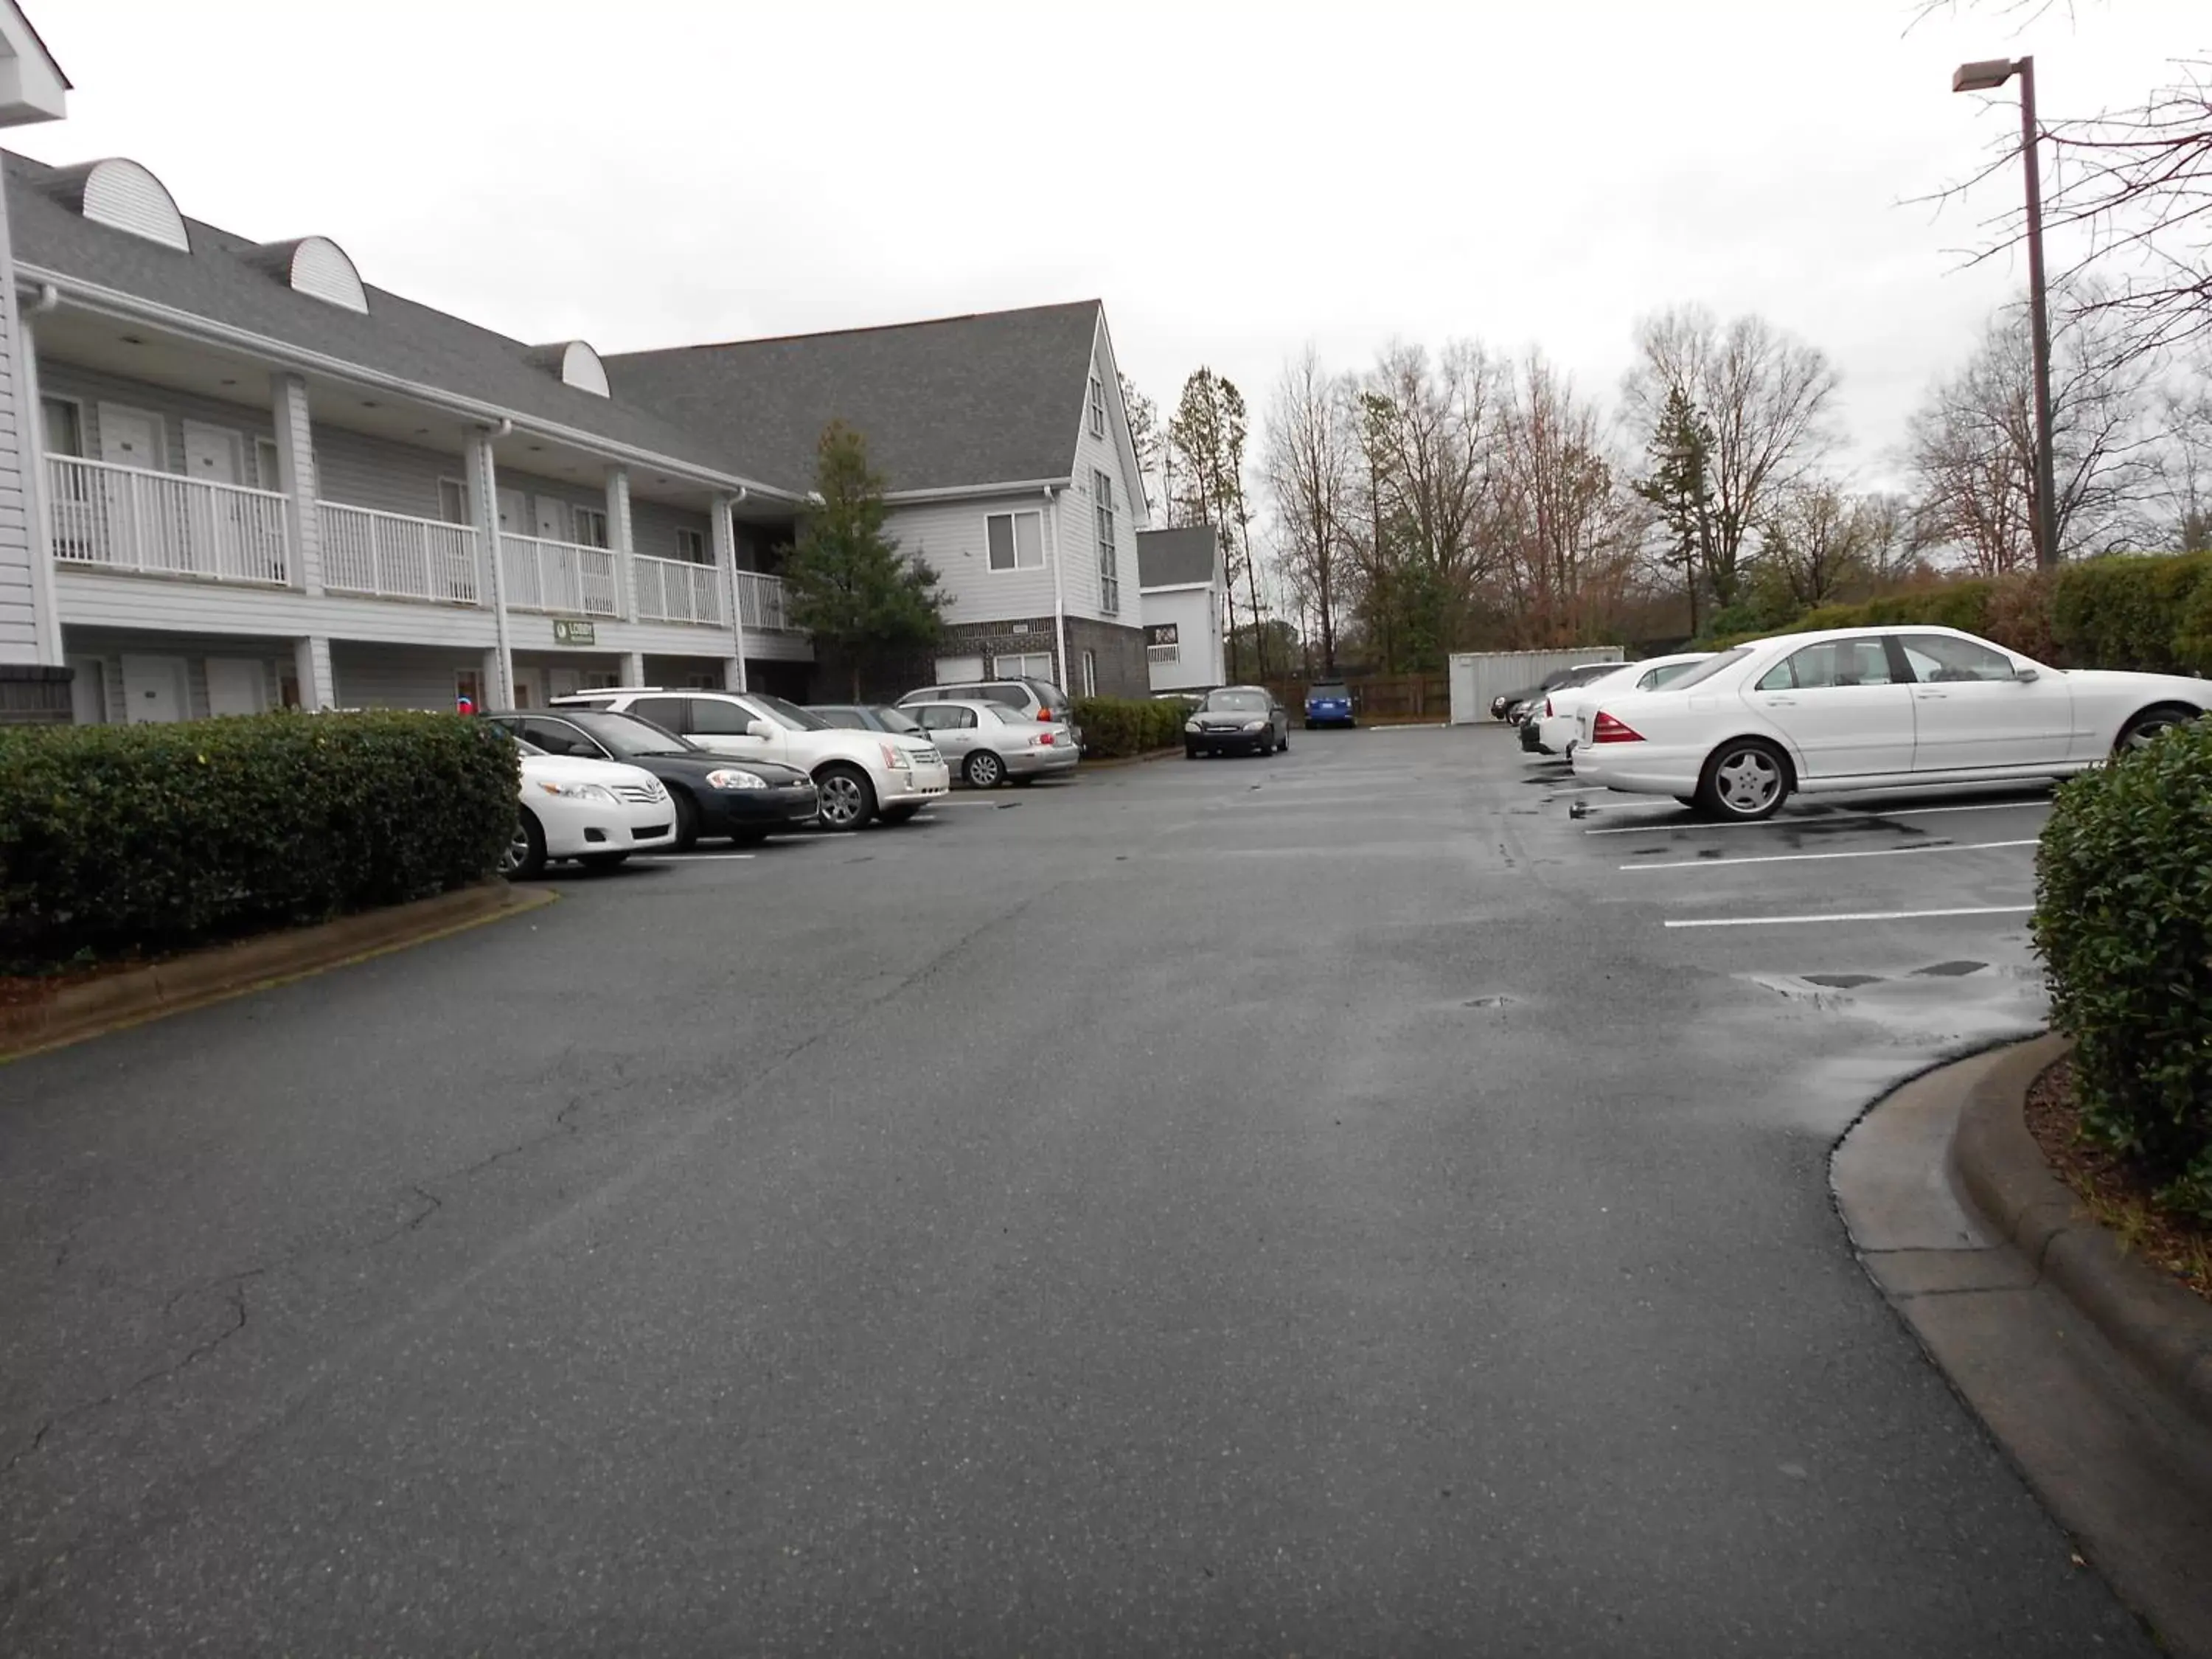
pixel 759 729
pixel 2024 674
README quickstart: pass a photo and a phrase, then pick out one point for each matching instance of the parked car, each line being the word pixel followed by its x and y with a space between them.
pixel 1237 720
pixel 1556 723
pixel 860 775
pixel 1519 704
pixel 870 717
pixel 991 743
pixel 1041 700
pixel 597 812
pixel 714 795
pixel 1868 708
pixel 1328 703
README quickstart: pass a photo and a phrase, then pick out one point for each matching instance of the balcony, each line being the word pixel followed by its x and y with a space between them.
pixel 677 591
pixel 162 524
pixel 761 602
pixel 389 555
pixel 562 578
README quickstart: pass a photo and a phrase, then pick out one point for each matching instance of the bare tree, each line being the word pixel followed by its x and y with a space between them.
pixel 1971 447
pixel 1150 442
pixel 1571 526
pixel 1819 541
pixel 1437 436
pixel 1765 397
pixel 1309 467
pixel 1207 437
pixel 2185 415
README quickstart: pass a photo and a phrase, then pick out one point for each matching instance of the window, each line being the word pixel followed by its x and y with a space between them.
pixel 559 738
pixel 945 717
pixel 1036 665
pixel 1110 585
pixel 268 468
pixel 1940 659
pixel 717 719
pixel 1017 540
pixel 65 426
pixel 848 717
pixel 691 546
pixel 591 526
pixel 1656 677
pixel 667 713
pixel 1090 673
pixel 1831 664
pixel 950 671
pixel 452 501
pixel 1098 407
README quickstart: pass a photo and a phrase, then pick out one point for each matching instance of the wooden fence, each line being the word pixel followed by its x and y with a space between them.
pixel 1380 698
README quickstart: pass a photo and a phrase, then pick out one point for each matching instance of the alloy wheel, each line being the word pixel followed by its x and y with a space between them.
pixel 516 853
pixel 841 803
pixel 1747 781
pixel 984 770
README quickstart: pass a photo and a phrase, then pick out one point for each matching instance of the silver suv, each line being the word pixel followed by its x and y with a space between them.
pixel 1041 700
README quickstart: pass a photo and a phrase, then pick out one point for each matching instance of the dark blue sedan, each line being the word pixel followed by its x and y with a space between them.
pixel 1328 703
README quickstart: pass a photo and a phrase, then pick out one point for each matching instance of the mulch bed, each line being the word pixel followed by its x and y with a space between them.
pixel 2116 1195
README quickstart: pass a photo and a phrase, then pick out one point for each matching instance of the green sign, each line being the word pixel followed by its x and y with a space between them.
pixel 573 632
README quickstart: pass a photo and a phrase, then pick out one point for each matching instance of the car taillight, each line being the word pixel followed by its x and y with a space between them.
pixel 1045 738
pixel 1044 715
pixel 1607 729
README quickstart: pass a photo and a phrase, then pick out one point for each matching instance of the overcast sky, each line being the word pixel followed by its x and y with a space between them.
pixel 1231 180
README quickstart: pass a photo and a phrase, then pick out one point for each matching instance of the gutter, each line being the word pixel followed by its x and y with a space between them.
pixel 953 492
pixel 130 307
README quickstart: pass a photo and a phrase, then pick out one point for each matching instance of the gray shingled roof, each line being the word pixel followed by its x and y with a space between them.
pixel 1175 558
pixel 398 336
pixel 991 398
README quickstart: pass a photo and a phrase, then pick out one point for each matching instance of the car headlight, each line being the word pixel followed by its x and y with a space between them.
pixel 726 779
pixel 1191 726
pixel 896 758
pixel 578 791
pixel 1255 726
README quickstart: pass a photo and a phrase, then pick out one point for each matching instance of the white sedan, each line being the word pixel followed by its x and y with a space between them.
pixel 598 812
pixel 1558 723
pixel 1867 708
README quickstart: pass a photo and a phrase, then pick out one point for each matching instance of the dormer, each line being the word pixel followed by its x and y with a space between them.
pixel 313 265
pixel 122 196
pixel 577 365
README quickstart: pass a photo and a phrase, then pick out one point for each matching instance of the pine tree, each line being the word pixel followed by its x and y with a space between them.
pixel 846 581
pixel 1680 484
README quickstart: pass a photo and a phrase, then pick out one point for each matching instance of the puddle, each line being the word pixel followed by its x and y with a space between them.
pixel 1950 969
pixel 1842 981
pixel 1488 1002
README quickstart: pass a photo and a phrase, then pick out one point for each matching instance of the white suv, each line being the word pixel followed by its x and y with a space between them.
pixel 861 775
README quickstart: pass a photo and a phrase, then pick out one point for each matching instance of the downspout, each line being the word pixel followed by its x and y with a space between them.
pixel 726 513
pixel 486 479
pixel 46 602
pixel 1059 588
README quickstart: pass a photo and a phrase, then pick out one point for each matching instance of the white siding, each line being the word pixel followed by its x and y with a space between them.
pixel 125 195
pixel 321 268
pixel 18 616
pixel 110 647
pixel 89 388
pixel 357 470
pixel 1197 618
pixel 398 676
pixel 1078 519
pixel 653 526
pixel 952 537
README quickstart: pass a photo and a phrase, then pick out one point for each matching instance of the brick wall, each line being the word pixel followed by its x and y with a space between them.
pixel 1119 653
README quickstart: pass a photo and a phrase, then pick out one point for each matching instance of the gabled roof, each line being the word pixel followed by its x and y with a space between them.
pixel 1177 558
pixel 995 398
pixel 219 280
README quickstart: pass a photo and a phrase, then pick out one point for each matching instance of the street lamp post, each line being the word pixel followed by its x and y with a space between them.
pixel 1986 76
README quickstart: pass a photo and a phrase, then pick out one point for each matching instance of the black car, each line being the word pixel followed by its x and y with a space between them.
pixel 1237 720
pixel 747 800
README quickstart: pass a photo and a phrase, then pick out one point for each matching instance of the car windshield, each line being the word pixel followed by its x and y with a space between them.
pixel 1701 672
pixel 790 714
pixel 1237 703
pixel 627 735
pixel 895 719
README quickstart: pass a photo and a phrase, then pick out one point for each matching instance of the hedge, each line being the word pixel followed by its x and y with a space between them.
pixel 1114 727
pixel 121 839
pixel 2124 922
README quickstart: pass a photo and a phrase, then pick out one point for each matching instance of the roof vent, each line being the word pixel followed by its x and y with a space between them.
pixel 313 265
pixel 577 365
pixel 122 196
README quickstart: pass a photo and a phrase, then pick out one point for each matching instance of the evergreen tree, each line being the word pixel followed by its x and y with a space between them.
pixel 1680 484
pixel 846 582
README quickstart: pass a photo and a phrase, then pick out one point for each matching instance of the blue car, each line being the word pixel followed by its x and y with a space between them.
pixel 1328 703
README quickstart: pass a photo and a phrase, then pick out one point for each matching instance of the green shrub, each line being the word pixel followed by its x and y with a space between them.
pixel 1114 727
pixel 2129 612
pixel 122 838
pixel 2124 922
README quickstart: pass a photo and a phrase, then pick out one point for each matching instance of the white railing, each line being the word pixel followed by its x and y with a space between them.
pixel 121 518
pixel 676 590
pixel 760 601
pixel 392 557
pixel 562 577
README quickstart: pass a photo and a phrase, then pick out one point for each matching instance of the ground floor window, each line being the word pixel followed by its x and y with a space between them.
pixel 1091 673
pixel 959 670
pixel 468 690
pixel 1029 665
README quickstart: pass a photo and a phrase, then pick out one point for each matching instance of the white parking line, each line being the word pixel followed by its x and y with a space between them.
pixel 692 858
pixel 1855 915
pixel 1809 858
pixel 1650 825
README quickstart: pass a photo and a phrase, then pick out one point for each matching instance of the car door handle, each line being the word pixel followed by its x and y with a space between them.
pixel 1782 702
pixel 1931 697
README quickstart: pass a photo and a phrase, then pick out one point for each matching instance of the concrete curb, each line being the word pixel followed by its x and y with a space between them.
pixel 2163 1330
pixel 77 1011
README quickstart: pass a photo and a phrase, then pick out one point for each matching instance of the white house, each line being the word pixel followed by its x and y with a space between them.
pixel 1186 591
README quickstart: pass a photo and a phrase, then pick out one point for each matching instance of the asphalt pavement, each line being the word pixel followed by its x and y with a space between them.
pixel 1338 1203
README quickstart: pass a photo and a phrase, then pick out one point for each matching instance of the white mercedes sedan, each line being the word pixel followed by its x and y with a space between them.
pixel 1558 723
pixel 1867 708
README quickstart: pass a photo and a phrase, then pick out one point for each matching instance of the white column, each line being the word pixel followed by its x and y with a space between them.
pixel 295 475
pixel 633 668
pixel 483 507
pixel 311 664
pixel 618 538
pixel 726 555
pixel 1059 593
pixel 38 522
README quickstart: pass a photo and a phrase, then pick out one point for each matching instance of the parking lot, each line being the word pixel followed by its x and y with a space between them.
pixel 1339 1202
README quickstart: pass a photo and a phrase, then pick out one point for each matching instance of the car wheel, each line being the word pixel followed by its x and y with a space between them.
pixel 687 821
pixel 898 814
pixel 985 770
pixel 848 799
pixel 2139 733
pixel 603 860
pixel 524 855
pixel 1746 780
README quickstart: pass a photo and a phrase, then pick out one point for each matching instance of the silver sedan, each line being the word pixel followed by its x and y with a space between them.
pixel 988 743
